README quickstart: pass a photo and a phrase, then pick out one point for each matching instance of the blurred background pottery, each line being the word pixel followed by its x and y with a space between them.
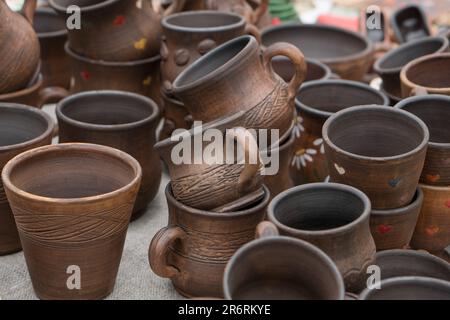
pixel 315 69
pixel 409 23
pixel 241 7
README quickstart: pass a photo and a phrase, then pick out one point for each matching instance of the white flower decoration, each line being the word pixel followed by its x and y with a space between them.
pixel 298 127
pixel 302 157
pixel 319 143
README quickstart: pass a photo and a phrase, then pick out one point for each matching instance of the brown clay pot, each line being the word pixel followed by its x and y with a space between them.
pixel 393 228
pixel 121 120
pixel 313 109
pixel 175 116
pixel 195 247
pixel 241 7
pixel 315 70
pixel 21 128
pixel 379 150
pixel 65 226
pixel 234 77
pixel 332 217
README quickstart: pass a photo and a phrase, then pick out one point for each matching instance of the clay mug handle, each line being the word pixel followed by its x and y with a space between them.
pixel 51 94
pixel 250 29
pixel 266 229
pixel 297 58
pixel 259 12
pixel 159 250
pixel 175 6
pixel 418 91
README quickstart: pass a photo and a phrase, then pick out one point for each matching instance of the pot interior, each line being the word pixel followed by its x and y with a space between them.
pixel 411 289
pixel 46 21
pixel 429 73
pixel 285 69
pixel 202 20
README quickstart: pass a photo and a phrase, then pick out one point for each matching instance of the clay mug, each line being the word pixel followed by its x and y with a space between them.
pixel 175 116
pixel 378 150
pixel 434 110
pixel 235 77
pixel 121 120
pixel 332 217
pixel 195 247
pixel 21 128
pixel 313 109
pixel 241 7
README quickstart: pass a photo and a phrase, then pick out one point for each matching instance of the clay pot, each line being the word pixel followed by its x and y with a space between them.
pixel 234 77
pixel 315 69
pixel 282 268
pixel 140 76
pixel 434 110
pixel 114 30
pixel 347 53
pixel 19 50
pixel 409 23
pixel 389 66
pixel 52 34
pixel 21 128
pixel 189 35
pixel 379 150
pixel 314 108
pixel 175 116
pixel 196 245
pixel 425 75
pixel 241 7
pixel 393 100
pixel 332 217
pixel 393 228
pixel 114 119
pixel 409 288
pixel 81 225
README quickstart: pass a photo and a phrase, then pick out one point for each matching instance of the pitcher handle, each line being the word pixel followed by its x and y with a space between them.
pixel 266 229
pixel 51 94
pixel 259 12
pixel 250 29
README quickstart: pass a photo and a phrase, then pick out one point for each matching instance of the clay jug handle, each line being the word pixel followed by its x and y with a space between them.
pixel 159 249
pixel 28 9
pixel 260 11
pixel 297 58
pixel 250 29
pixel 174 7
pixel 266 229
pixel 418 91
pixel 51 95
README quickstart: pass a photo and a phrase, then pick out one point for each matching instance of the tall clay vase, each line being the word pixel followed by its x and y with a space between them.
pixel 21 128
pixel 72 204
pixel 195 247
pixel 121 120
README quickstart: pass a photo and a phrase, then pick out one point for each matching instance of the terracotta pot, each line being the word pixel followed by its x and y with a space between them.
pixel 433 227
pixel 79 225
pixel 314 108
pixel 21 128
pixel 347 53
pixel 433 110
pixel 189 35
pixel 52 34
pixel 114 119
pixel 196 245
pixel 140 76
pixel 282 268
pixel 175 116
pixel 114 30
pixel 409 288
pixel 409 23
pixel 332 217
pixel 425 75
pixel 393 228
pixel 241 7
pixel 234 77
pixel 379 150
pixel 19 50
pixel 315 69
pixel 389 66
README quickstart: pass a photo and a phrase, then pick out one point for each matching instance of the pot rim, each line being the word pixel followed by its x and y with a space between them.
pixel 313 186
pixel 61 115
pixel 321 65
pixel 433 188
pixel 333 82
pixel 418 200
pixel 55 5
pixel 34 111
pixel 387 109
pixel 22 92
pixel 86 147
pixel 50 34
pixel 304 245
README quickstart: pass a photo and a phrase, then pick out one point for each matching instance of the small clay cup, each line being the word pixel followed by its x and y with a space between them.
pixel 121 120
pixel 434 110
pixel 195 247
pixel 21 128
pixel 74 217
pixel 316 70
pixel 175 116
pixel 393 228
pixel 379 150
pixel 410 23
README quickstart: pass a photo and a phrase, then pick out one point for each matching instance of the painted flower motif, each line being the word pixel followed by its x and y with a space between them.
pixel 302 157
pixel 298 127
pixel 327 179
pixel 319 143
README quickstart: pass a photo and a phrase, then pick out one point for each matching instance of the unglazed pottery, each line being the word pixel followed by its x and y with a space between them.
pixel 378 150
pixel 393 228
pixel 347 53
pixel 314 108
pixel 77 226
pixel 195 247
pixel 175 116
pixel 434 110
pixel 315 70
pixel 409 23
pixel 333 217
pixel 234 77
pixel 21 128
pixel 241 7
pixel 121 120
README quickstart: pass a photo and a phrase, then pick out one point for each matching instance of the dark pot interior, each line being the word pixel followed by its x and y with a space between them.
pixel 48 21
pixel 286 70
pixel 201 20
pixel 429 73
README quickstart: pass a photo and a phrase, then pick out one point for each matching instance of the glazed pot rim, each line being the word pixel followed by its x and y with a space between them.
pixel 412 253
pixel 198 13
pixel 22 92
pixel 304 245
pixel 433 97
pixel 418 199
pixel 50 34
pixel 320 186
pixel 333 82
pixel 107 127
pixel 57 148
pixel 105 3
pixel 34 111
pixel 423 144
